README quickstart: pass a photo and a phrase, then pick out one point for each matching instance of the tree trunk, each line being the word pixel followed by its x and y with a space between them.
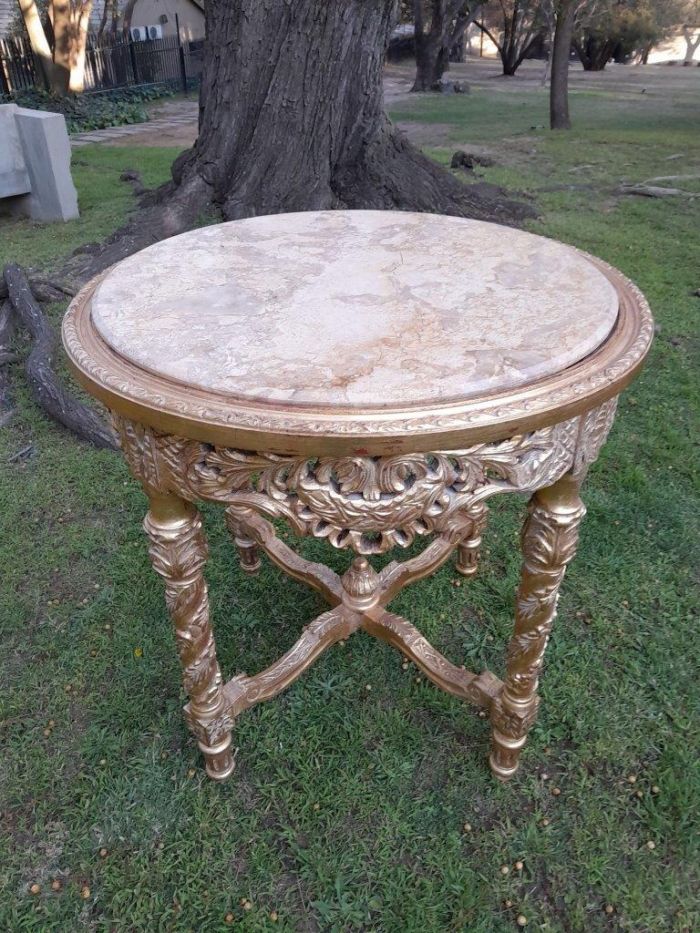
pixel 55 78
pixel 433 46
pixel 110 17
pixel 457 39
pixel 430 63
pixel 302 126
pixel 127 16
pixel 64 66
pixel 561 49
pixel 594 54
pixel 81 20
pixel 691 44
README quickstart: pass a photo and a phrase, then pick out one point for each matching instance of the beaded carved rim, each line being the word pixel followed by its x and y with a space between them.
pixel 225 420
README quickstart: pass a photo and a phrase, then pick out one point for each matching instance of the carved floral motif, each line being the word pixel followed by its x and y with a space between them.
pixel 369 504
pixel 593 432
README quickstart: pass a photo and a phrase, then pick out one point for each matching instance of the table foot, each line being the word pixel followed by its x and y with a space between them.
pixel 248 553
pixel 504 758
pixel 218 759
pixel 468 551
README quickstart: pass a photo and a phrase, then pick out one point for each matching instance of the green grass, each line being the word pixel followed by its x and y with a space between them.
pixel 104 204
pixel 347 808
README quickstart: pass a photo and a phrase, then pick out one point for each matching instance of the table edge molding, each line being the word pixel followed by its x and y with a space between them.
pixel 175 408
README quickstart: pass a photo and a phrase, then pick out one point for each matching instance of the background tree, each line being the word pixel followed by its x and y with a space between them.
pixel 109 21
pixel 514 27
pixel 59 41
pixel 127 16
pixel 595 35
pixel 619 29
pixel 564 16
pixel 691 29
pixel 438 25
pixel 468 16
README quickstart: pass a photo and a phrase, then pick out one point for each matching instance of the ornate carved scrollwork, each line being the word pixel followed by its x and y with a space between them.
pixel 594 428
pixel 549 540
pixel 178 552
pixel 369 504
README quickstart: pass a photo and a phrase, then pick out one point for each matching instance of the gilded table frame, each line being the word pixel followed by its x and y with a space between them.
pixel 367 482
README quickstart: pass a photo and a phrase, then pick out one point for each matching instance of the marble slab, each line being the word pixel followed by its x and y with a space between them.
pixel 355 309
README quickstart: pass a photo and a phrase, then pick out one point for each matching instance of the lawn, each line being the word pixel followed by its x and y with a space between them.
pixel 361 799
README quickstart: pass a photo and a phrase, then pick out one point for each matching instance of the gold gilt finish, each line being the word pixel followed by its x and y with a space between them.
pixel 370 505
pixel 228 421
pixel 368 482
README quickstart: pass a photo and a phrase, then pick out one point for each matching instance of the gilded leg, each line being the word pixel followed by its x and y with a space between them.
pixel 468 551
pixel 248 553
pixel 178 552
pixel 549 540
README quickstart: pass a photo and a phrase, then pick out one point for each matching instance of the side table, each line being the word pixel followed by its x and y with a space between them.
pixel 370 377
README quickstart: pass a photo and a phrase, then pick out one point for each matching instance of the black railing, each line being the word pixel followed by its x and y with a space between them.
pixel 109 64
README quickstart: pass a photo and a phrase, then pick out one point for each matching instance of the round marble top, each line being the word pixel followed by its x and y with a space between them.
pixel 355 309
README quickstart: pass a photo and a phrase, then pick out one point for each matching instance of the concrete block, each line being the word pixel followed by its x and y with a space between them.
pixel 14 177
pixel 45 150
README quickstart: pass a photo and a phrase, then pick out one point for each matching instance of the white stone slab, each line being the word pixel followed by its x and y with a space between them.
pixel 46 150
pixel 14 177
pixel 35 173
pixel 355 308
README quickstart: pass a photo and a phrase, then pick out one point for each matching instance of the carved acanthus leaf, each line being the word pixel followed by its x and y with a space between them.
pixel 369 504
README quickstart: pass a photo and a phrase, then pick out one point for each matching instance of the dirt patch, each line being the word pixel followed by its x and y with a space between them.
pixel 434 135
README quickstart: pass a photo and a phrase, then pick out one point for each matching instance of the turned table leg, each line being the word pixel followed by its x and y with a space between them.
pixel 549 540
pixel 248 553
pixel 467 562
pixel 178 552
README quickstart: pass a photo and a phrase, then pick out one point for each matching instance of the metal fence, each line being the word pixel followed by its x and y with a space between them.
pixel 109 64
pixel 17 66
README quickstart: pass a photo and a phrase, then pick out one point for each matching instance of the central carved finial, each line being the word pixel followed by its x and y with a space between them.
pixel 360 583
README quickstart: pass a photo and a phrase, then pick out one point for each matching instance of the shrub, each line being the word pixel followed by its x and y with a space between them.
pixel 94 111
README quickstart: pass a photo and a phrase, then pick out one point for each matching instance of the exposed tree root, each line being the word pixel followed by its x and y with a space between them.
pixel 394 175
pixel 163 212
pixel 42 290
pixel 654 191
pixel 7 327
pixel 44 384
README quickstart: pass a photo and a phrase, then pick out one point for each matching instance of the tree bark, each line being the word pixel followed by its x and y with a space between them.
pixel 448 21
pixel 110 14
pixel 81 20
pixel 431 60
pixel 298 127
pixel 464 20
pixel 593 54
pixel 55 80
pixel 44 384
pixel 127 16
pixel 561 48
pixel 292 118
